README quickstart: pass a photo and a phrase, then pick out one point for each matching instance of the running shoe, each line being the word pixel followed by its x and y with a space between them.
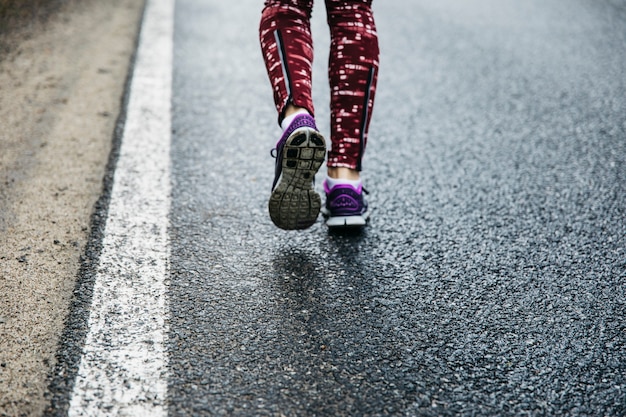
pixel 299 153
pixel 345 206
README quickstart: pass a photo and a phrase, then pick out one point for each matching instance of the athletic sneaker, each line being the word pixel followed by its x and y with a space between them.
pixel 345 206
pixel 299 153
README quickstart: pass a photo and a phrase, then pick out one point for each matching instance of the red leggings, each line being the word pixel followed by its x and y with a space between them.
pixel 287 47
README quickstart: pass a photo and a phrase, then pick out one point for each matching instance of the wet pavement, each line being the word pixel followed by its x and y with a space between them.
pixel 491 279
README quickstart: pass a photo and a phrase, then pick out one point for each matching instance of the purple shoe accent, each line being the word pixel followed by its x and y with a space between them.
pixel 344 200
pixel 302 120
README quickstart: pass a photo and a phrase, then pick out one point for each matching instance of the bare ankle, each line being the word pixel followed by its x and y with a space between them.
pixel 343 173
pixel 291 109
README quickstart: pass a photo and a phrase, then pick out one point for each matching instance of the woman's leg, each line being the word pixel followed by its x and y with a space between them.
pixel 352 72
pixel 287 48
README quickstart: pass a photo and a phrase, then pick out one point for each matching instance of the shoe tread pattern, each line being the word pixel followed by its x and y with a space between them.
pixel 294 204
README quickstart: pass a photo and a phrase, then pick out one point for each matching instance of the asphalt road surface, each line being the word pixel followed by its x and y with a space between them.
pixel 491 279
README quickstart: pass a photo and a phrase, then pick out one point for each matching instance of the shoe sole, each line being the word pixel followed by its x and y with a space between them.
pixel 347 221
pixel 294 204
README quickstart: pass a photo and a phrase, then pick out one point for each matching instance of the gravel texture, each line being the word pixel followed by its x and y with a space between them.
pixel 61 84
pixel 491 279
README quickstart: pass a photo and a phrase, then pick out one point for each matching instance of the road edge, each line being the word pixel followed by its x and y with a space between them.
pixel 72 339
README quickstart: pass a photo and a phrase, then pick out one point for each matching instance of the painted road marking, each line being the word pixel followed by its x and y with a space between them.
pixel 123 370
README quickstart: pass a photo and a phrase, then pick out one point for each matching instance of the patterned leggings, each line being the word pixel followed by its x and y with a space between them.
pixel 287 47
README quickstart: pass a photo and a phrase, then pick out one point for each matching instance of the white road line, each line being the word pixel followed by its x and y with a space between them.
pixel 123 370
